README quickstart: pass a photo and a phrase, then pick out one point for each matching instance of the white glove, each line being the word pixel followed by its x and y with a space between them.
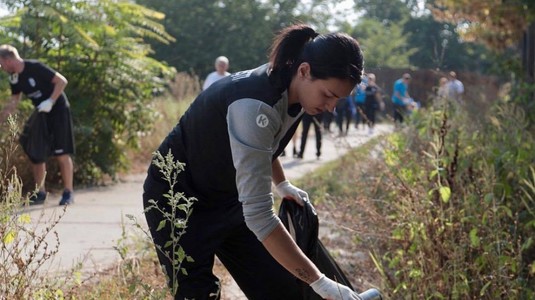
pixel 45 106
pixel 287 190
pixel 329 289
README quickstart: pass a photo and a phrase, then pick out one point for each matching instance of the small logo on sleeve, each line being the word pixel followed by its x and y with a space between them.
pixel 241 74
pixel 31 81
pixel 14 78
pixel 262 121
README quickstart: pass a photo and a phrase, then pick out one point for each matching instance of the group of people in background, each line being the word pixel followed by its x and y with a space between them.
pixel 449 88
pixel 45 87
pixel 365 101
pixel 360 107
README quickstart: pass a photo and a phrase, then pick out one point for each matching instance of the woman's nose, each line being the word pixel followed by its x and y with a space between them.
pixel 330 105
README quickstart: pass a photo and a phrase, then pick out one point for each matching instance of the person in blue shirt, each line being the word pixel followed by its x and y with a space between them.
pixel 401 97
pixel 360 98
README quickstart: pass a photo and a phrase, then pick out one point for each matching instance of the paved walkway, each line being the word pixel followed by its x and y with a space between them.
pixel 91 228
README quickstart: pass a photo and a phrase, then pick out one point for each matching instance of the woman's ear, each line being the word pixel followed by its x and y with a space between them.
pixel 304 70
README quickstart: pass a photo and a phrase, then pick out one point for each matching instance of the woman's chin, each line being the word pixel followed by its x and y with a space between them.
pixel 313 111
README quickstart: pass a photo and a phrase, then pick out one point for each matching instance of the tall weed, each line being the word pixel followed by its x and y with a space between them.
pixel 178 205
pixel 462 225
pixel 25 252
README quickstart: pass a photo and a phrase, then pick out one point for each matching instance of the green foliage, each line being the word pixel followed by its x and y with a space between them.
pixel 403 26
pixel 206 29
pixel 440 47
pixel 387 11
pixel 100 47
pixel 176 218
pixel 461 206
pixel 522 95
pixel 242 30
pixel 383 45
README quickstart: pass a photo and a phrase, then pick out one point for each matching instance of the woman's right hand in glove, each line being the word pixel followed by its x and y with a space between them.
pixel 332 290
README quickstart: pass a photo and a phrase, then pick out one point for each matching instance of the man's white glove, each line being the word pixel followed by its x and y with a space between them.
pixel 45 106
pixel 329 289
pixel 287 190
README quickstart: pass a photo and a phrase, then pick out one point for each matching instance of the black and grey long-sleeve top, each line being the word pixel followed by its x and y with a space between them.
pixel 228 139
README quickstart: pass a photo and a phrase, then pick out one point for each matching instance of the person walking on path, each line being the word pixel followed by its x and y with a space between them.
pixel 345 109
pixel 294 147
pixel 221 67
pixel 230 139
pixel 359 96
pixel 316 122
pixel 45 87
pixel 401 97
pixel 455 87
pixel 372 102
pixel 327 118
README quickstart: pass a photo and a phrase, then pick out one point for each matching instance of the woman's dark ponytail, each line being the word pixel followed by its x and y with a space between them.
pixel 334 55
pixel 288 45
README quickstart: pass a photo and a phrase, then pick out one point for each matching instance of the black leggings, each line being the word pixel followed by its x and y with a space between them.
pixel 217 231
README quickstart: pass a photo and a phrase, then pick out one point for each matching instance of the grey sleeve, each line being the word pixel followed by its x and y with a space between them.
pixel 252 126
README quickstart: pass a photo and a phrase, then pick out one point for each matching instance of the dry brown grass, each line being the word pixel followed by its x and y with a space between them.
pixel 348 198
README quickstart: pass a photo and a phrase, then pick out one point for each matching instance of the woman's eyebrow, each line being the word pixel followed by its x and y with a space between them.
pixel 334 94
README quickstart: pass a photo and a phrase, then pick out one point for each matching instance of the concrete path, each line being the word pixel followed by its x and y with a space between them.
pixel 91 228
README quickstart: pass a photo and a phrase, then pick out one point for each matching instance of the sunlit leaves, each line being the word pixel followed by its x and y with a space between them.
pixel 445 193
pixel 497 23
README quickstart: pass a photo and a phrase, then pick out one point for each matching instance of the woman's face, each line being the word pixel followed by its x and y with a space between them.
pixel 317 95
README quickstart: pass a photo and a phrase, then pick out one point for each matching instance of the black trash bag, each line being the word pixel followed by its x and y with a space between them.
pixel 302 223
pixel 35 138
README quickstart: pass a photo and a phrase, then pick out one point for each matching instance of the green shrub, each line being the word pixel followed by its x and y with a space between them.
pixel 112 79
pixel 461 206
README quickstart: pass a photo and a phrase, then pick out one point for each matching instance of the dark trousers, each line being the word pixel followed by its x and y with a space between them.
pixel 369 109
pixel 343 113
pixel 399 111
pixel 217 231
pixel 327 118
pixel 306 121
pixel 359 114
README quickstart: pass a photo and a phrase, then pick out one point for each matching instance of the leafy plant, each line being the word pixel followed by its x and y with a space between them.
pixel 460 228
pixel 176 218
pixel 112 79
